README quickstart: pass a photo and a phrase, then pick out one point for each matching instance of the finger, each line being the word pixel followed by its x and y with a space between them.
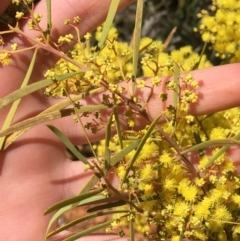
pixel 92 13
pixel 218 90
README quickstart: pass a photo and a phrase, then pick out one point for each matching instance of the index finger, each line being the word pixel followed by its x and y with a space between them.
pixel 218 90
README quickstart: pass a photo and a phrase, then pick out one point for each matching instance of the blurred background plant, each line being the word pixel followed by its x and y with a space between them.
pixel 161 17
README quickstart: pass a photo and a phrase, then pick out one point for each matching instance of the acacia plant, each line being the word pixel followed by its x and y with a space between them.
pixel 175 179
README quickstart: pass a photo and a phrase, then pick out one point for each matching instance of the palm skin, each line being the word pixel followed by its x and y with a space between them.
pixel 34 171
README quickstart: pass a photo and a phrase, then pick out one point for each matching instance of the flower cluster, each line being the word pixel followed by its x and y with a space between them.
pixel 221 28
pixel 171 201
pixel 156 62
pixel 113 63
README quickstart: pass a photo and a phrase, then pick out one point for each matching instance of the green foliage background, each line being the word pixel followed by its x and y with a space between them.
pixel 160 17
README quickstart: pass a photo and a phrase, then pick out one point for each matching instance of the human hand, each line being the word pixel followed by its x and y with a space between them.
pixel 35 172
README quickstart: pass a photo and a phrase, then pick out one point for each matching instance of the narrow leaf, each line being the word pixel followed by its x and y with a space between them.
pixel 131 227
pixel 62 210
pixel 117 123
pixel 169 37
pixel 90 184
pixel 211 143
pixel 111 203
pixel 121 154
pixel 15 104
pixel 140 146
pixel 108 23
pixel 57 107
pixel 89 231
pixel 76 110
pixel 107 141
pixel 68 144
pixel 49 20
pixel 107 206
pixel 31 122
pixel 47 116
pixel 220 152
pixel 82 219
pixel 137 38
pixel 72 200
pixel 196 66
pixel 56 216
pixel 176 81
pixel 32 88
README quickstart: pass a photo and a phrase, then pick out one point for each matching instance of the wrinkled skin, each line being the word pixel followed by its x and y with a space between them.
pixel 34 171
